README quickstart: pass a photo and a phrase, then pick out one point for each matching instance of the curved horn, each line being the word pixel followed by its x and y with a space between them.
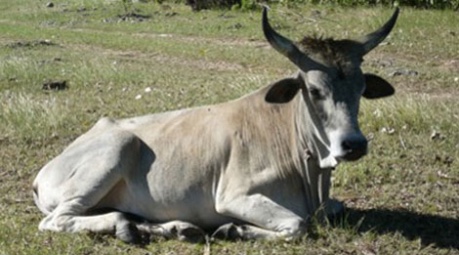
pixel 372 40
pixel 280 43
pixel 285 46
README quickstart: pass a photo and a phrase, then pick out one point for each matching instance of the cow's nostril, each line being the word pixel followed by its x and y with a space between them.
pixel 346 146
pixel 354 148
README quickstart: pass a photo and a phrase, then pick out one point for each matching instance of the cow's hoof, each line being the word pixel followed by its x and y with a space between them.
pixel 228 232
pixel 191 234
pixel 334 209
pixel 128 233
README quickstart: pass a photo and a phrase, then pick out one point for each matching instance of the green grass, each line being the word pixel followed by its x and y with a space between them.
pixel 401 199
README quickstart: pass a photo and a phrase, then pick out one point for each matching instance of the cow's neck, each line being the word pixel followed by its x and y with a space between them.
pixel 314 148
pixel 312 134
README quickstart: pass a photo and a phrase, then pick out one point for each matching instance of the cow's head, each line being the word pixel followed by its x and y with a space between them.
pixel 332 84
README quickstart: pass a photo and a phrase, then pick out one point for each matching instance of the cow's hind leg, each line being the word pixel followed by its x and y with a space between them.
pixel 100 166
pixel 110 223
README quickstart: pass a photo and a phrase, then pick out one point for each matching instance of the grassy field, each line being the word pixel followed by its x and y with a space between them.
pixel 403 198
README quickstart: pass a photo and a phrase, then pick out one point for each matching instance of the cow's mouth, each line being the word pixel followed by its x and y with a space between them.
pixel 353 155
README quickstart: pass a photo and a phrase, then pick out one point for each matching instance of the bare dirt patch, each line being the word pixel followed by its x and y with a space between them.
pixel 189 38
pixel 215 41
pixel 131 55
pixel 451 65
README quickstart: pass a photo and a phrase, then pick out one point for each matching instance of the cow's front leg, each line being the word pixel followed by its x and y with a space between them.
pixel 183 231
pixel 270 220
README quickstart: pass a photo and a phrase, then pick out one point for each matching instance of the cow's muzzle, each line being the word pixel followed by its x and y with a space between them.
pixel 354 147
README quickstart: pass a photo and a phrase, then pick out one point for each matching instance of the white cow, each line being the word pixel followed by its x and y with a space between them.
pixel 255 167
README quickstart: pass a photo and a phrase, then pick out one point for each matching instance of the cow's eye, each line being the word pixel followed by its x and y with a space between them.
pixel 316 93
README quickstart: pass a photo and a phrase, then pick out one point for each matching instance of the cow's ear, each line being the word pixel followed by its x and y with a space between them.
pixel 377 87
pixel 283 91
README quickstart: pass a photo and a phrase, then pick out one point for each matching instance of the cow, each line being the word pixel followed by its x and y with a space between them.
pixel 256 167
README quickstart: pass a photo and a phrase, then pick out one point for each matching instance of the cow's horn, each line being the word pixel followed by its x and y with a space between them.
pixel 372 40
pixel 285 46
pixel 280 43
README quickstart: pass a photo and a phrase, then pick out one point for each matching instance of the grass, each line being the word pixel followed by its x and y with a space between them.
pixel 401 199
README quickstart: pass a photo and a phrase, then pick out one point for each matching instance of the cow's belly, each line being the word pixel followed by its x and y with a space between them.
pixel 196 210
pixel 158 198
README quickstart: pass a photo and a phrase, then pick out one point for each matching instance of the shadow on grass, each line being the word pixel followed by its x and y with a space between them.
pixel 433 230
